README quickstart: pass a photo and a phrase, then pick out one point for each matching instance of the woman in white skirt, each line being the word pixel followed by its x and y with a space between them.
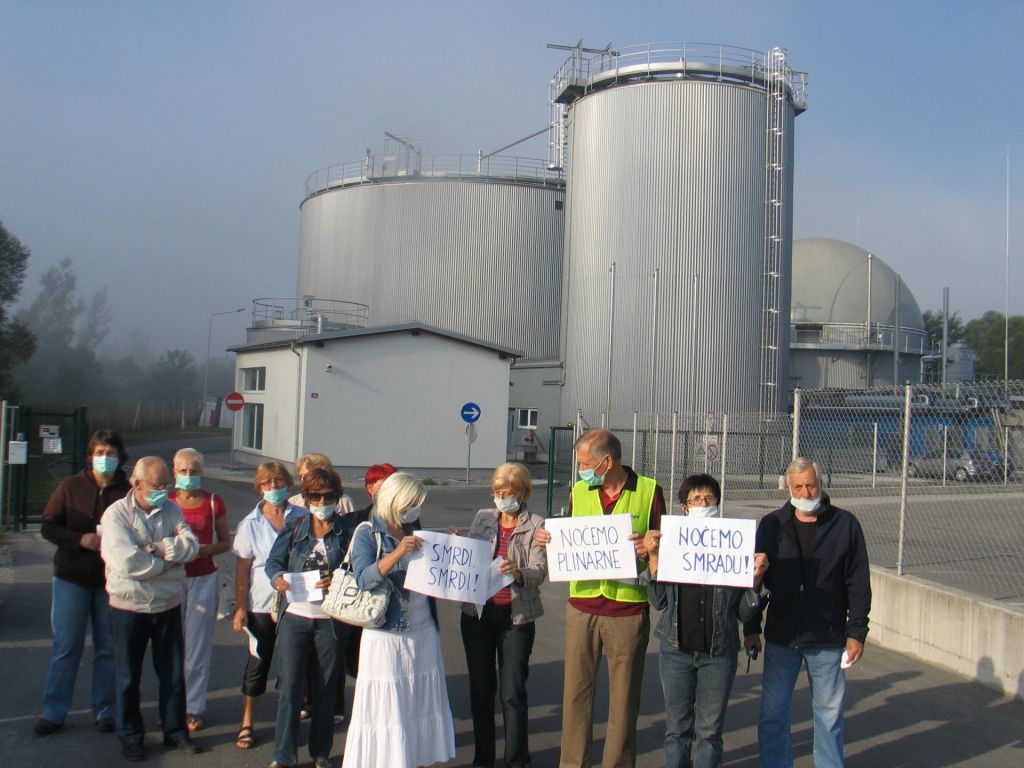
pixel 400 714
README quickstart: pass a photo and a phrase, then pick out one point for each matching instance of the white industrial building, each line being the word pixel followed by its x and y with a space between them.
pixel 367 395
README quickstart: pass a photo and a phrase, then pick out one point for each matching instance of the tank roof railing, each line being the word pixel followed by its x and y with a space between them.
pixel 376 167
pixel 854 336
pixel 725 63
pixel 308 312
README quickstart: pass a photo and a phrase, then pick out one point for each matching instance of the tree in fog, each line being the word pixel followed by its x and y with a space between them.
pixel 175 377
pixel 16 340
pixel 65 369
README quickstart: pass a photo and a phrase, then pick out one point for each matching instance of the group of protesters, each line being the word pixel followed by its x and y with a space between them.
pixel 135 561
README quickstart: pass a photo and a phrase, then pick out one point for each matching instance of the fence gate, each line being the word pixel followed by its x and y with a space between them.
pixel 57 439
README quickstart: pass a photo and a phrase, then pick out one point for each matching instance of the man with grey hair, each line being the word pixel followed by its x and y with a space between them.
pixel 145 545
pixel 820 596
pixel 607 616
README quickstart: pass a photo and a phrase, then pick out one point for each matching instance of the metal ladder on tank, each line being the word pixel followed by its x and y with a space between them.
pixel 774 207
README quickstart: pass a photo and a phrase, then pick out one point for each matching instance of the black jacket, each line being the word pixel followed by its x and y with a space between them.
pixel 818 602
pixel 74 509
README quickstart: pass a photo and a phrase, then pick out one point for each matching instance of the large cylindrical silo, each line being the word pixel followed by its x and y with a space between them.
pixel 680 206
pixel 468 245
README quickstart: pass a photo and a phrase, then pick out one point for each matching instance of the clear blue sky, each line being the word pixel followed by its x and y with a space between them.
pixel 163 146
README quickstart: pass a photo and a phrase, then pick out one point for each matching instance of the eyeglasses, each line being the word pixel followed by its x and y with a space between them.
pixel 328 497
pixel 705 501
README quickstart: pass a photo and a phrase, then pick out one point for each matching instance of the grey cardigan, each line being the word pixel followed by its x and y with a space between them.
pixel 523 549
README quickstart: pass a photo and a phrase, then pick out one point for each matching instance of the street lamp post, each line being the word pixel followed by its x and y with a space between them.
pixel 209 343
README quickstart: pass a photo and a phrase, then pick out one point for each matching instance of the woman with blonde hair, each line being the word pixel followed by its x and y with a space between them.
pixel 207 516
pixel 400 715
pixel 502 634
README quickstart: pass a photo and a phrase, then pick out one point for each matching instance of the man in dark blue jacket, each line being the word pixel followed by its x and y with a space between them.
pixel 820 590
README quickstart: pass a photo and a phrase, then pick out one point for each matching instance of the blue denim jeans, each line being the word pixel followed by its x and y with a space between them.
pixel 828 686
pixel 72 609
pixel 696 688
pixel 316 646
pixel 132 633
pixel 489 639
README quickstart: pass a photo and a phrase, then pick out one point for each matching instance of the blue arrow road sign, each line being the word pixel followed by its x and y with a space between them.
pixel 470 413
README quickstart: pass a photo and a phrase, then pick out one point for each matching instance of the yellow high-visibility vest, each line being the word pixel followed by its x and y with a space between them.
pixel 638 505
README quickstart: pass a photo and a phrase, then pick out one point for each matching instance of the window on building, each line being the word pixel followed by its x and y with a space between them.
pixel 252 426
pixel 527 418
pixel 254 379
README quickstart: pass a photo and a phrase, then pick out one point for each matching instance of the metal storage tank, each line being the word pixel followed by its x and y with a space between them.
pixel 470 244
pixel 849 311
pixel 679 228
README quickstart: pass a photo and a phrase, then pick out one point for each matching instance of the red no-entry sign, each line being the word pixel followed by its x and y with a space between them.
pixel 234 401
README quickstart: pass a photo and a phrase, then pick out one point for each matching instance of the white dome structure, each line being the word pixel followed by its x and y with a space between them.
pixel 848 329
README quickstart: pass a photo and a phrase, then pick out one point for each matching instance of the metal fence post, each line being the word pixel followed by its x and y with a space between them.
pixel 552 458
pixel 945 452
pixel 903 486
pixel 796 423
pixel 725 444
pixel 632 462
pixel 657 439
pixel 1006 455
pixel 874 455
pixel 3 463
pixel 672 467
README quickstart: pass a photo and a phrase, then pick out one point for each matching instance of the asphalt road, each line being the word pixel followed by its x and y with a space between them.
pixel 900 712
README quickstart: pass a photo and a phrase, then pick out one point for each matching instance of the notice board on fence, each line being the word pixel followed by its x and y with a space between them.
pixel 591 547
pixel 707 551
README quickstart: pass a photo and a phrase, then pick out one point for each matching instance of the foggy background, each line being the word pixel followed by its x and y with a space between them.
pixel 163 147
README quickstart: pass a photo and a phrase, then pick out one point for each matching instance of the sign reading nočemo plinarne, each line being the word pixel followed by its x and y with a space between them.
pixel 591 547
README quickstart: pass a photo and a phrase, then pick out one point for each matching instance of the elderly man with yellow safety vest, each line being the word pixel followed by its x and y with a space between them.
pixel 607 614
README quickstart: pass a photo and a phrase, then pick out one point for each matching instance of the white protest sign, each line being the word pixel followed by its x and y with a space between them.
pixel 707 551
pixel 451 568
pixel 591 547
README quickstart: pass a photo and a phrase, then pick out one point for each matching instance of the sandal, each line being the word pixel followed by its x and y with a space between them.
pixel 194 723
pixel 244 739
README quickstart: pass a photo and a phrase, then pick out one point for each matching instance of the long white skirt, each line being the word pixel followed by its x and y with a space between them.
pixel 400 712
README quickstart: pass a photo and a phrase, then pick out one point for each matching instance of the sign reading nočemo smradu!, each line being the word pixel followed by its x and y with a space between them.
pixel 707 551
pixel 591 547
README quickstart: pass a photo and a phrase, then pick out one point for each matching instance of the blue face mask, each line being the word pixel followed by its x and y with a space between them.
pixel 590 476
pixel 104 465
pixel 275 496
pixel 188 482
pixel 156 499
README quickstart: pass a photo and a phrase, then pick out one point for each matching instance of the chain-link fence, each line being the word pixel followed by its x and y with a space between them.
pixel 932 473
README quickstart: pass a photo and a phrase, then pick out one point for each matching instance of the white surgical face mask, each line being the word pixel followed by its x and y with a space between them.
pixel 411 515
pixel 807 506
pixel 323 513
pixel 510 504
pixel 702 511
